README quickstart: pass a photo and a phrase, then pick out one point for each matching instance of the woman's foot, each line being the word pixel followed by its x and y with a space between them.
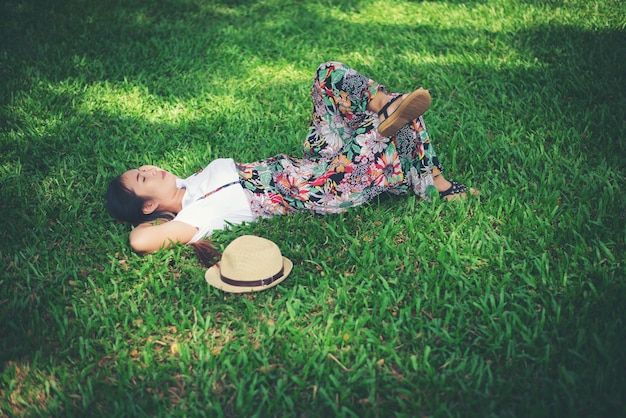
pixel 451 190
pixel 401 110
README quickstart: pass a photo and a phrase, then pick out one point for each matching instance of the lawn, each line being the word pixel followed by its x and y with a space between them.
pixel 509 306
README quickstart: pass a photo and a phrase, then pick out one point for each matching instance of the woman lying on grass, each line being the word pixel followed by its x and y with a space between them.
pixel 362 142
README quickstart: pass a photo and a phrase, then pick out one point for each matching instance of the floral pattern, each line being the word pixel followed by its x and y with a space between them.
pixel 346 161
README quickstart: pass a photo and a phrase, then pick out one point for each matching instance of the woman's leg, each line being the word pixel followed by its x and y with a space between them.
pixel 417 154
pixel 420 163
pixel 355 176
pixel 341 97
pixel 346 104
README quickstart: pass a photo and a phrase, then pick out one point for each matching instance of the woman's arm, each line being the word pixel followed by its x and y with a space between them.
pixel 149 237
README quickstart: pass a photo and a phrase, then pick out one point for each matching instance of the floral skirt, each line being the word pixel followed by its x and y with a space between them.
pixel 346 161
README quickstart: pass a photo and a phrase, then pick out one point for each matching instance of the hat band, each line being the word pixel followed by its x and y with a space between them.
pixel 254 283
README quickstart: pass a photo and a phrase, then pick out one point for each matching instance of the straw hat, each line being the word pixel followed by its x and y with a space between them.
pixel 249 264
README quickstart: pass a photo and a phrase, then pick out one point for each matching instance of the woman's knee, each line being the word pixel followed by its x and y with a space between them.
pixel 322 69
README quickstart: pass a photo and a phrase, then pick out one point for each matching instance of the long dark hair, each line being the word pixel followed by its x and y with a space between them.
pixel 125 206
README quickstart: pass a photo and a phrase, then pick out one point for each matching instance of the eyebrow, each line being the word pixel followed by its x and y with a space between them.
pixel 138 175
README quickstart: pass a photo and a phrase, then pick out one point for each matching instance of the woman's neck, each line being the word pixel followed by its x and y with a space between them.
pixel 175 204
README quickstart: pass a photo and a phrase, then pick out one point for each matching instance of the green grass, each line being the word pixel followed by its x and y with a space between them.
pixel 510 306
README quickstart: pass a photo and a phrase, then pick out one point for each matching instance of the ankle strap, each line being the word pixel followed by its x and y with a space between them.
pixel 383 111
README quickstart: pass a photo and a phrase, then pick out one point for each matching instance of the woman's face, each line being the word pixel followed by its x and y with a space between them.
pixel 150 182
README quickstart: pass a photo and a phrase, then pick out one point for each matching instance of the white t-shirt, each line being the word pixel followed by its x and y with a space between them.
pixel 228 205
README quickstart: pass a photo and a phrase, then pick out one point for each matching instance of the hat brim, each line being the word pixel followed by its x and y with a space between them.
pixel 212 276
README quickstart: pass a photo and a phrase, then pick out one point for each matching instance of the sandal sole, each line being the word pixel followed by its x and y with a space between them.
pixel 412 107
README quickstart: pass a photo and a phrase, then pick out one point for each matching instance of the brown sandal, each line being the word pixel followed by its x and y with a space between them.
pixel 413 106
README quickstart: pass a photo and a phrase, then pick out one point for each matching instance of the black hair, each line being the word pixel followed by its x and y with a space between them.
pixel 125 206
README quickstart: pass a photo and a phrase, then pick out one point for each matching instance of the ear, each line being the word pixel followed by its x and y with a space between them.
pixel 149 206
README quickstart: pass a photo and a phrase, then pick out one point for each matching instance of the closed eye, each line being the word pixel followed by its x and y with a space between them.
pixel 143 179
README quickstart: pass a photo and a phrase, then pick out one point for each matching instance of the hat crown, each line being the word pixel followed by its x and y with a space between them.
pixel 251 258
